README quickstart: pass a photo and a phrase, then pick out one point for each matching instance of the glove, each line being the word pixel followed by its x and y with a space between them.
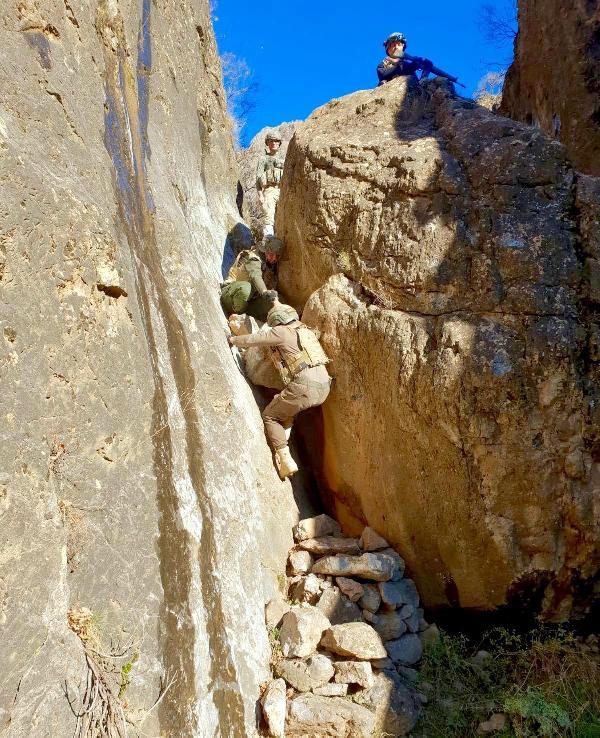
pixel 271 296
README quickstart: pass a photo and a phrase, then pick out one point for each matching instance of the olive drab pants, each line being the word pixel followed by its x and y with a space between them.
pixel 300 394
pixel 236 298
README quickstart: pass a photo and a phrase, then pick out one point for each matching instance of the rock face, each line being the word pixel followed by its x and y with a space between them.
pixel 449 262
pixel 561 97
pixel 123 412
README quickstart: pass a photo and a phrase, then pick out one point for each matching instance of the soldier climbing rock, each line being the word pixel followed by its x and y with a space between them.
pixel 396 64
pixel 268 179
pixel 249 287
pixel 300 361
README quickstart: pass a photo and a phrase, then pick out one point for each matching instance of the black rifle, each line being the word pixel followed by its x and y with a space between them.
pixel 434 70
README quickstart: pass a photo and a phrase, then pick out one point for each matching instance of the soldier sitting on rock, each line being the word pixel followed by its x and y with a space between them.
pixel 300 361
pixel 268 179
pixel 249 287
pixel 395 65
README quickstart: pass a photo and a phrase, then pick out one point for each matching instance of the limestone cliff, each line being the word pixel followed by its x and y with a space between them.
pixel 136 481
pixel 461 324
pixel 554 81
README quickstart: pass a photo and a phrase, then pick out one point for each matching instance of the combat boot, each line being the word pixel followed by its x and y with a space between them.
pixel 286 466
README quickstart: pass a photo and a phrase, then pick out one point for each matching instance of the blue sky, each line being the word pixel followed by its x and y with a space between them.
pixel 303 53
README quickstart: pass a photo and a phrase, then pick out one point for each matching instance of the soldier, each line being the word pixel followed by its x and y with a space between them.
pixel 300 360
pixel 268 178
pixel 395 65
pixel 245 289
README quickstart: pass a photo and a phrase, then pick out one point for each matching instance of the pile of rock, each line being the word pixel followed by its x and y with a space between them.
pixel 348 639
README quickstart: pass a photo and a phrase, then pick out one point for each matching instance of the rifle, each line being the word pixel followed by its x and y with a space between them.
pixel 435 70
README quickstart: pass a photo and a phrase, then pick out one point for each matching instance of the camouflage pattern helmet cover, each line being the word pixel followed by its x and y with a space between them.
pixel 281 315
pixel 397 36
pixel 272 244
pixel 273 137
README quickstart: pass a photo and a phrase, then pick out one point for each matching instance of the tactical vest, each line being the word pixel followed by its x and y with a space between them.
pixel 311 354
pixel 238 272
pixel 273 169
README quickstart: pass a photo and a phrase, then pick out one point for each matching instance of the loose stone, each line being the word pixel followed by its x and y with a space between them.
pixel 273 704
pixel 306 675
pixel 394 702
pixel 337 717
pixel 368 566
pixel 301 630
pixel 308 589
pixel 358 640
pixel 321 525
pixel 352 589
pixel 332 690
pixel 371 599
pixel 338 608
pixel 396 594
pixel 300 562
pixel 389 625
pixel 406 650
pixel 330 545
pixel 430 636
pixel 354 672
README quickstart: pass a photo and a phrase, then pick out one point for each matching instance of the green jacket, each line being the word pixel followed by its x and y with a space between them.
pixel 269 171
pixel 248 267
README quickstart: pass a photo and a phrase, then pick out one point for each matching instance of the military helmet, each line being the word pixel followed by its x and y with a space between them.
pixel 281 314
pixel 272 244
pixel 273 137
pixel 395 37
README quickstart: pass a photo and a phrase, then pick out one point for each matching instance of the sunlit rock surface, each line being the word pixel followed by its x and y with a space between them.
pixel 447 256
pixel 135 481
pixel 554 80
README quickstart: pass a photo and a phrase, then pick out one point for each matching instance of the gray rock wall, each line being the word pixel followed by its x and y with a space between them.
pixel 135 477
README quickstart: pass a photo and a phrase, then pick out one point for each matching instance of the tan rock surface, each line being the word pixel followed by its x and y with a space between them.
pixel 123 413
pixel 328 717
pixel 561 97
pixel 357 640
pixel 458 337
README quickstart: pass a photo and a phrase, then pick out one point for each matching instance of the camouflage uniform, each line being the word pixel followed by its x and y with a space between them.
pixel 244 289
pixel 268 178
pixel 308 387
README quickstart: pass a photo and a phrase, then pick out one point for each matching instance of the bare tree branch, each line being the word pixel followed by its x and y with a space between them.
pixel 241 91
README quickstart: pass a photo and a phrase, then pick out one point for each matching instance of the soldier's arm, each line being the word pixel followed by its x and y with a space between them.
pixel 261 179
pixel 271 337
pixel 254 268
pixel 387 70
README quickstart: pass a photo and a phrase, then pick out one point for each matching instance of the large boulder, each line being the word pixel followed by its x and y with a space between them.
pixel 561 97
pixel 123 489
pixel 443 250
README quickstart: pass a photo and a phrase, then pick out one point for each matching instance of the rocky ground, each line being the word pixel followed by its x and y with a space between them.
pixel 346 639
